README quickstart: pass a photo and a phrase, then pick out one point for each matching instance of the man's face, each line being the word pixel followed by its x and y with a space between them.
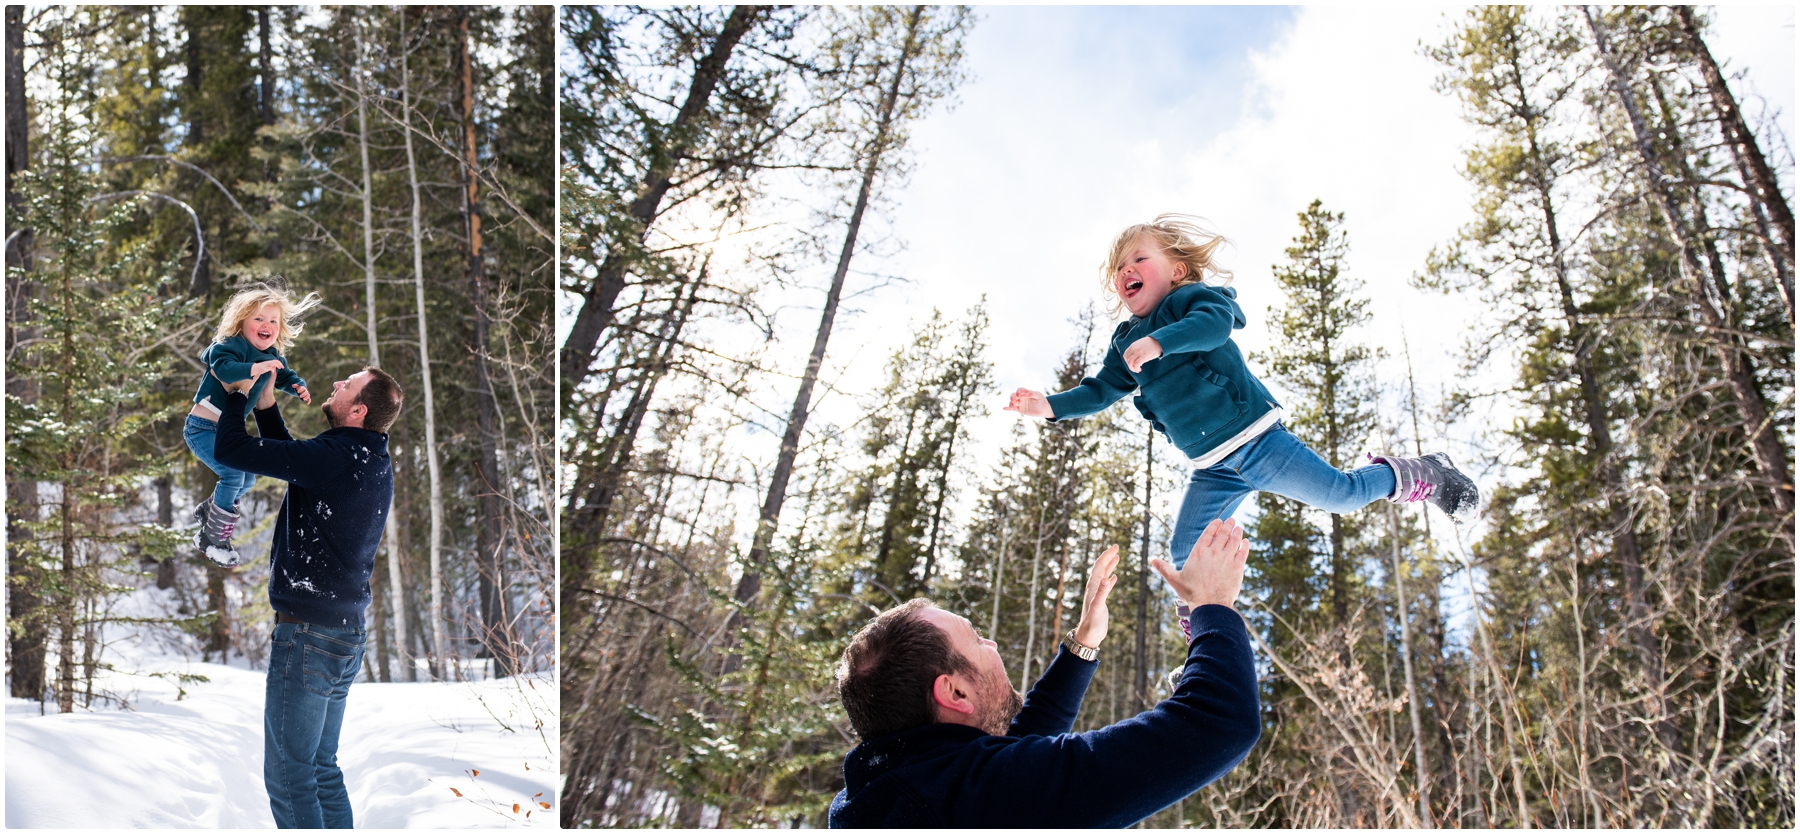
pixel 996 701
pixel 343 397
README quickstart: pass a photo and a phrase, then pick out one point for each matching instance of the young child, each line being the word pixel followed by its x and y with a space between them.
pixel 256 327
pixel 1176 351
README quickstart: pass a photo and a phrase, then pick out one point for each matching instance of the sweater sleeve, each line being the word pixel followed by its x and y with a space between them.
pixel 227 360
pixel 1118 775
pixel 270 425
pixel 1054 701
pixel 287 380
pixel 305 462
pixel 1096 392
pixel 1204 321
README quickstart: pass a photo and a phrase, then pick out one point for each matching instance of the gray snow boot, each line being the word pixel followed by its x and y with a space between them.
pixel 1433 478
pixel 214 536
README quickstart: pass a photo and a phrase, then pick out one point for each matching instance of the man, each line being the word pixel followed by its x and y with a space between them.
pixel 947 741
pixel 340 486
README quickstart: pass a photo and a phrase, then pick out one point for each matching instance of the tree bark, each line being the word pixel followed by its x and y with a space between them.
pixel 1412 688
pixel 1764 186
pixel 201 284
pixel 597 301
pixel 577 557
pixel 431 447
pixel 26 645
pixel 1765 446
pixel 767 522
pixel 490 532
pixel 1141 667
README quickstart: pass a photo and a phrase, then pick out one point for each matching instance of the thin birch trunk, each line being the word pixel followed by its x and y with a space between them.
pixel 1141 679
pixel 1412 688
pixel 431 446
pixel 1037 559
pixel 1493 668
pixel 751 582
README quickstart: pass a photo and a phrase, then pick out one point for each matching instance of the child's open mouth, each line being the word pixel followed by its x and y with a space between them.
pixel 1132 286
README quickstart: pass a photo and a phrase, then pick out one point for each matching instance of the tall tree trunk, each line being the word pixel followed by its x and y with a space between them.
pixel 1765 446
pixel 26 643
pixel 65 647
pixel 597 301
pixel 431 447
pixel 490 533
pixel 616 458
pixel 1412 688
pixel 201 284
pixel 1141 669
pixel 265 101
pixel 1764 186
pixel 770 518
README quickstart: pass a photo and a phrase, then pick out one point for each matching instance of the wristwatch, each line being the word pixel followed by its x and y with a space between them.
pixel 1087 653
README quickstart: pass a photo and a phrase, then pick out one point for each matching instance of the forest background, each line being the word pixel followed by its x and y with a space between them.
pixel 1589 308
pixel 400 163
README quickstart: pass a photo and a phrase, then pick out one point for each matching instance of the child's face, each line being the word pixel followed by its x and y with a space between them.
pixel 1146 276
pixel 263 327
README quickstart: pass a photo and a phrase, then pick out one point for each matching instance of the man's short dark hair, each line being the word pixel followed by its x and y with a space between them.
pixel 382 396
pixel 889 668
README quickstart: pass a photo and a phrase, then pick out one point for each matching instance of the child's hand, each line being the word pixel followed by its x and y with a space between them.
pixel 265 367
pixel 304 395
pixel 1030 403
pixel 1141 351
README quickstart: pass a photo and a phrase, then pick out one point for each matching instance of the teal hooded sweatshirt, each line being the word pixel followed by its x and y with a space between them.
pixel 1199 393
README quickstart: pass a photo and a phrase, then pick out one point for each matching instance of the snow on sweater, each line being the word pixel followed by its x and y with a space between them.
pixel 340 486
pixel 1040 775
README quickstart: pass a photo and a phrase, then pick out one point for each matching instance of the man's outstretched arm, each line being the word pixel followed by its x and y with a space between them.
pixel 1123 773
pixel 278 455
pixel 1055 699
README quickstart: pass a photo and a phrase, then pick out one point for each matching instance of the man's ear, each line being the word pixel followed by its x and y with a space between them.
pixel 952 695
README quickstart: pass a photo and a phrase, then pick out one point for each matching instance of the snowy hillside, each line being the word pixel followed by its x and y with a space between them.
pixel 187 754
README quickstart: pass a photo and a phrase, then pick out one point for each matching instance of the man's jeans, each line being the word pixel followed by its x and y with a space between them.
pixel 202 436
pixel 1275 462
pixel 310 670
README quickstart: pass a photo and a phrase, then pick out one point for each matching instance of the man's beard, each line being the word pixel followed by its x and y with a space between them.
pixel 331 418
pixel 997 713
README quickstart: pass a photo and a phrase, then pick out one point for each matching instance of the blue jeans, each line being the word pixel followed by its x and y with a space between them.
pixel 1275 462
pixel 201 436
pixel 310 670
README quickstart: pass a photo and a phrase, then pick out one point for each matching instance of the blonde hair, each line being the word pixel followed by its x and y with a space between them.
pixel 245 304
pixel 1181 238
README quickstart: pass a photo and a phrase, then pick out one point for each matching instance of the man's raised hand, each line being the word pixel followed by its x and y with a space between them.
pixel 1101 579
pixel 1030 403
pixel 1214 571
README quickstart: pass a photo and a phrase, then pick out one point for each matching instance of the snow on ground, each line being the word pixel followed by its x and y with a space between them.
pixel 415 755
pixel 195 761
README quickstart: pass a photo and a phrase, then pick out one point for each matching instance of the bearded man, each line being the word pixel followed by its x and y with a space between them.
pixel 947 740
pixel 340 488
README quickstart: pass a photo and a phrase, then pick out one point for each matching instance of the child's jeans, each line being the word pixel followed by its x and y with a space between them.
pixel 1275 462
pixel 201 436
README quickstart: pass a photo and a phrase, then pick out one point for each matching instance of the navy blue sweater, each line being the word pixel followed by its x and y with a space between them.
pixel 1040 775
pixel 340 485
pixel 1198 393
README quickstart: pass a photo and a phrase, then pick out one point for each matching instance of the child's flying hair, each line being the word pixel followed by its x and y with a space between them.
pixel 246 302
pixel 1181 238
